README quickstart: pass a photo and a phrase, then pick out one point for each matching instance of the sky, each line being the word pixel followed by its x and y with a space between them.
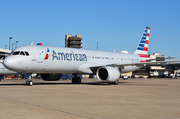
pixel 115 24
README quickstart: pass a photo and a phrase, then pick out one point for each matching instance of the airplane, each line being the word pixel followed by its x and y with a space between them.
pixel 4 72
pixel 52 62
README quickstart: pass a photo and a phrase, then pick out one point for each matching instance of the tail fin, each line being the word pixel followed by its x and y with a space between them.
pixel 142 47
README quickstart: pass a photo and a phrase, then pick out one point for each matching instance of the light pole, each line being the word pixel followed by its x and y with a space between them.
pixel 12 46
pixel 6 46
pixel 16 44
pixel 10 43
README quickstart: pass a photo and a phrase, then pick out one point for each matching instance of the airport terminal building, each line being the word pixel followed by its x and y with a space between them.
pixel 4 53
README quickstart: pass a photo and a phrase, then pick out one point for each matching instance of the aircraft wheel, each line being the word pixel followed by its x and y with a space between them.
pixel 27 82
pixel 78 80
pixel 73 80
pixel 116 82
pixel 30 83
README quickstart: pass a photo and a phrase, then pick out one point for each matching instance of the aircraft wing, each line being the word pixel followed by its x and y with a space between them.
pixel 143 63
pixel 96 66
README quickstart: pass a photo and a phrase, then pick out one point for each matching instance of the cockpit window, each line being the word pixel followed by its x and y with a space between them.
pixel 16 53
pixel 27 54
pixel 22 53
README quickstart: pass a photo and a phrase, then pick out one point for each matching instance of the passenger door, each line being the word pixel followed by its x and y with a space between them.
pixel 39 53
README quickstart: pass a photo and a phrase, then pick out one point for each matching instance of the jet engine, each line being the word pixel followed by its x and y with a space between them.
pixel 51 77
pixel 108 74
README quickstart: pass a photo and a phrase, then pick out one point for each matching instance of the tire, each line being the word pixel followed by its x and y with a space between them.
pixel 116 82
pixel 78 80
pixel 30 83
pixel 73 80
pixel 27 83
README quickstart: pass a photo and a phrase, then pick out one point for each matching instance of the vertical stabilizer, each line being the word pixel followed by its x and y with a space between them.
pixel 142 47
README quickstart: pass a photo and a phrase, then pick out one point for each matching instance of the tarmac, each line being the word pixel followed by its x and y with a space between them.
pixel 131 99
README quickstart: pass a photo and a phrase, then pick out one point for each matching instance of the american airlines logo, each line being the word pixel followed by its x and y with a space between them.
pixel 68 56
pixel 47 54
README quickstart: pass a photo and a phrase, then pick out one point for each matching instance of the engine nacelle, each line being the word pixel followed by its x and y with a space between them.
pixel 51 77
pixel 108 74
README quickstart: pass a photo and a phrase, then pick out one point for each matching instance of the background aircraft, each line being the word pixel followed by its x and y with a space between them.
pixel 4 72
pixel 52 62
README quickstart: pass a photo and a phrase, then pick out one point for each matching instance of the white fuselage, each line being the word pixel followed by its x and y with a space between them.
pixel 66 60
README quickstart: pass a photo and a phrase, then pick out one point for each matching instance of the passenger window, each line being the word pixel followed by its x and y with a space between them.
pixel 27 54
pixel 16 53
pixel 22 53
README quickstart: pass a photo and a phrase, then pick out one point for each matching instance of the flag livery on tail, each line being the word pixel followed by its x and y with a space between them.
pixel 142 48
pixel 143 44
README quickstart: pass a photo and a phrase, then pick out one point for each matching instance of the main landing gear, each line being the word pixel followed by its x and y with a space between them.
pixel 76 80
pixel 115 83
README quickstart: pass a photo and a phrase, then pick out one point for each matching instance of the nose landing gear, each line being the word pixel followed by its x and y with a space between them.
pixel 29 82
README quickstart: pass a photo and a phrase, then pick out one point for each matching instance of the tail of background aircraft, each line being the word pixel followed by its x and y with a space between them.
pixel 142 47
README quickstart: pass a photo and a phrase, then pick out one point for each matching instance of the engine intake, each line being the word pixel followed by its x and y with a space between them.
pixel 108 74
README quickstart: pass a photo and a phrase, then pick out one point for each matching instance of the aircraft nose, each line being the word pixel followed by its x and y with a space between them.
pixel 8 63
